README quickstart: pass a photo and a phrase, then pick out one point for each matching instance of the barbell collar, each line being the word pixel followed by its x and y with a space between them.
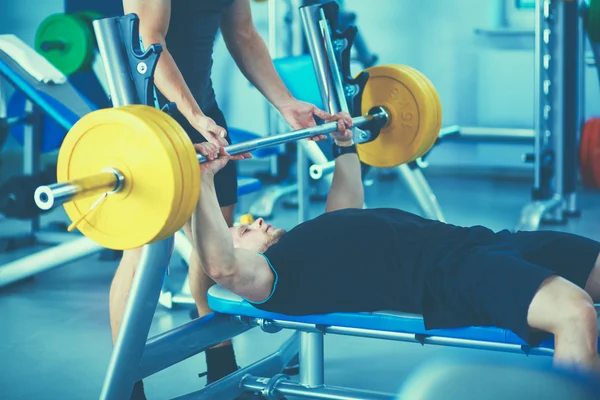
pixel 51 196
pixel 235 149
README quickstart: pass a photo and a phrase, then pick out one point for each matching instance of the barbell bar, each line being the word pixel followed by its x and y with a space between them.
pixel 112 180
pixel 376 115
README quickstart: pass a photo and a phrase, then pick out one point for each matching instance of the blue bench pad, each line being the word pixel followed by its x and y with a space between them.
pixel 61 102
pixel 225 302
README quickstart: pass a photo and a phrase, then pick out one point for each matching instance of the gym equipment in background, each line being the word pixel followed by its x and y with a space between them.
pixel 67 41
pixel 592 20
pixel 46 96
pixel 17 194
pixel 589 142
pixel 589 153
pixel 559 116
pixel 53 133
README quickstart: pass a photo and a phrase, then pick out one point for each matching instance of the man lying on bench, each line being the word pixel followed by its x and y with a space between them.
pixel 355 260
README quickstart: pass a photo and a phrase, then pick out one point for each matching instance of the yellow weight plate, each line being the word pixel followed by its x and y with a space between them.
pixel 407 101
pixel 145 113
pixel 428 105
pixel 195 177
pixel 428 136
pixel 188 158
pixel 156 116
pixel 425 136
pixel 152 114
pixel 437 103
pixel 120 139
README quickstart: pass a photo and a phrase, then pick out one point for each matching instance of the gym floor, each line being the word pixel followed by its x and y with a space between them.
pixel 55 336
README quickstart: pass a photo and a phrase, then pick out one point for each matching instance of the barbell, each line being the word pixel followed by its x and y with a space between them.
pixel 129 176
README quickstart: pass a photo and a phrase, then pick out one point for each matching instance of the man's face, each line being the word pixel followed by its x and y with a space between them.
pixel 257 236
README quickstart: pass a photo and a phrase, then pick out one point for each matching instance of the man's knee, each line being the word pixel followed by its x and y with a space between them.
pixel 579 311
pixel 559 305
pixel 592 285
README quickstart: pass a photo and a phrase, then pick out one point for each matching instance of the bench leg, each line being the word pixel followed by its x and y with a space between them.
pixel 312 359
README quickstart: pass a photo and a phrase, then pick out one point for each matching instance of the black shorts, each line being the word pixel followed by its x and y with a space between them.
pixel 495 281
pixel 225 179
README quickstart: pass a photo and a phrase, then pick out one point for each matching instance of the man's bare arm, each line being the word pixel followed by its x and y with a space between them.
pixel 241 271
pixel 250 53
pixel 346 188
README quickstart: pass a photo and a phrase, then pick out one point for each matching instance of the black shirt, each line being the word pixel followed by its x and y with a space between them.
pixel 355 260
pixel 193 27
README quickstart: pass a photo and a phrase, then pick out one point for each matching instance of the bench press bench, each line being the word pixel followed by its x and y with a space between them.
pixel 389 325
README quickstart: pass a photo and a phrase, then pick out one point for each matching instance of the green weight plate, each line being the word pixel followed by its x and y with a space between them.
pixel 88 17
pixel 593 21
pixel 66 41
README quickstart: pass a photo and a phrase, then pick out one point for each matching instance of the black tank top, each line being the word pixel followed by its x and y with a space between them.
pixel 192 31
pixel 357 260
